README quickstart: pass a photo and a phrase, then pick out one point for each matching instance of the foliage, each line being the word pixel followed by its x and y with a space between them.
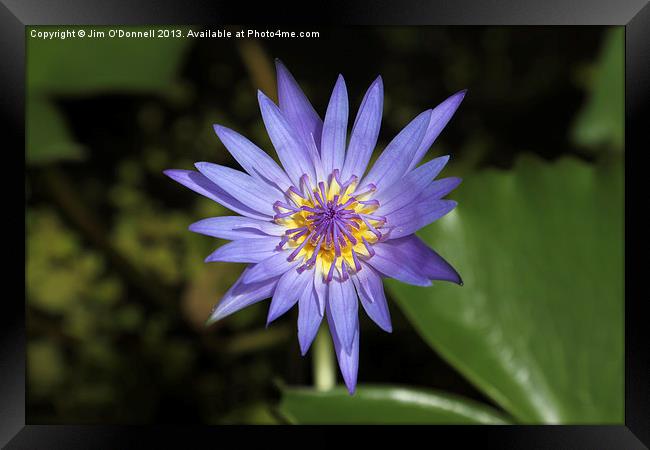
pixel 383 405
pixel 88 66
pixel 600 125
pixel 538 324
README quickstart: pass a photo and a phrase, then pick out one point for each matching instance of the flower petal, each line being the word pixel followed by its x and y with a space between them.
pixel 241 186
pixel 410 260
pixel 245 250
pixel 241 295
pixel 364 131
pixel 287 292
pixel 415 215
pixel 371 293
pixel 309 317
pixel 439 188
pixel 440 116
pixel 410 186
pixel 343 305
pixel 253 159
pixel 314 156
pixel 320 287
pixel 431 263
pixel 296 107
pixel 335 128
pixel 291 149
pixel 393 261
pixel 394 160
pixel 200 184
pixel 348 361
pixel 236 227
pixel 271 267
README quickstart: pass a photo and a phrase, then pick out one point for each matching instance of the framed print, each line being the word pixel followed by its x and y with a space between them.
pixel 392 214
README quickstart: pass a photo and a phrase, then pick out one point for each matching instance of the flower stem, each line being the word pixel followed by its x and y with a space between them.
pixel 323 361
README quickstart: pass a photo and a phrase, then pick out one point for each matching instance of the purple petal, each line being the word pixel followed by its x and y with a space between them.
pixel 394 160
pixel 271 267
pixel 428 261
pixel 348 361
pixel 241 295
pixel 241 186
pixel 364 131
pixel 439 188
pixel 320 287
pixel 199 183
pixel 315 159
pixel 344 306
pixel 287 292
pixel 371 293
pixel 410 186
pixel 291 149
pixel 254 160
pixel 296 107
pixel 410 260
pixel 415 215
pixel 245 250
pixel 431 263
pixel 440 116
pixel 236 227
pixel 407 214
pixel 335 128
pixel 393 261
pixel 309 317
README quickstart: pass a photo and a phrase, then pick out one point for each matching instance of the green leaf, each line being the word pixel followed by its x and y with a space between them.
pixel 87 66
pixel 538 324
pixel 601 122
pixel 48 137
pixel 75 66
pixel 383 405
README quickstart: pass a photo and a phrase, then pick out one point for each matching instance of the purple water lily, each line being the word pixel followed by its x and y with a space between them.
pixel 320 231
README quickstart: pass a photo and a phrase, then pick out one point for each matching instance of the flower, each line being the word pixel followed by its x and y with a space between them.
pixel 320 231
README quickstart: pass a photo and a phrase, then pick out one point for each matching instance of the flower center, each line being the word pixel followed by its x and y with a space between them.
pixel 330 226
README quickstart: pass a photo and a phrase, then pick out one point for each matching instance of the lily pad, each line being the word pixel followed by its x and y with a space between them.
pixel 538 324
pixel 383 405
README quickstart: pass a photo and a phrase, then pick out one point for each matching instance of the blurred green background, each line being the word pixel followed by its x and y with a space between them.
pixel 117 291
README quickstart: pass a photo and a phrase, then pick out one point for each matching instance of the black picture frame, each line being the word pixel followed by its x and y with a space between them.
pixel 15 15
